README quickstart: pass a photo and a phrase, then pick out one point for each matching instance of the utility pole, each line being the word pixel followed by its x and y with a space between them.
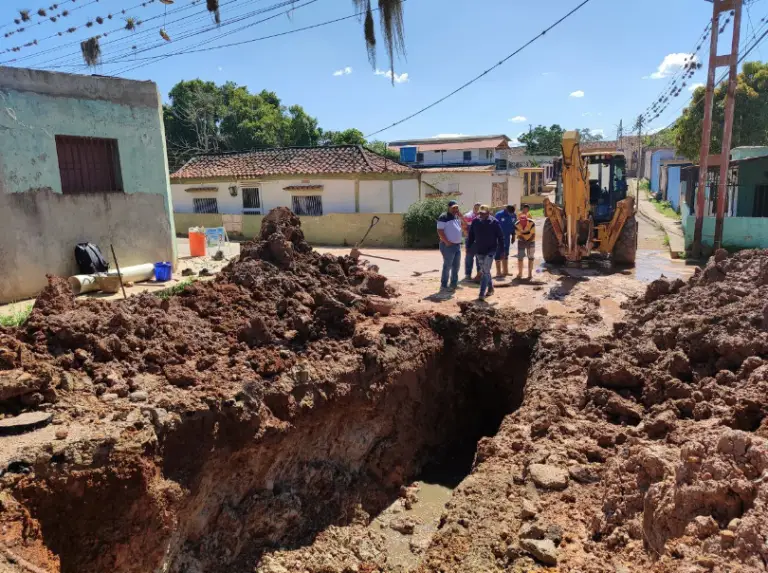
pixel 705 159
pixel 639 124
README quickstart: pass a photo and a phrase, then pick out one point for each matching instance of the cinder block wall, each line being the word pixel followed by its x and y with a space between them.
pixel 40 224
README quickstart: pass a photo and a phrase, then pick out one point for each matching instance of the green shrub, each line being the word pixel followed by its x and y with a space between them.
pixel 420 222
pixel 645 184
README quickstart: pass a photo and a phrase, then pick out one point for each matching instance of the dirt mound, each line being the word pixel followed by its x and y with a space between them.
pixel 645 450
pixel 279 305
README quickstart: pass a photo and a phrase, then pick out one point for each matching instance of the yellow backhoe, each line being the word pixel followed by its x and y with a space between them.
pixel 591 211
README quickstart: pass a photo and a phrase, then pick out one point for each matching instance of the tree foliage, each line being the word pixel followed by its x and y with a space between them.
pixel 203 117
pixel 667 137
pixel 542 140
pixel 586 135
pixel 750 120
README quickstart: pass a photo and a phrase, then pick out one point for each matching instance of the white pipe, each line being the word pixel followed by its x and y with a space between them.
pixel 87 283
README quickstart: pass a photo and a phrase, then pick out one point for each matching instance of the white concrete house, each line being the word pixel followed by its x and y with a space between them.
pixel 333 189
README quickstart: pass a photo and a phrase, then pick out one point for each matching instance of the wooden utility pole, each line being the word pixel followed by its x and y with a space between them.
pixel 705 159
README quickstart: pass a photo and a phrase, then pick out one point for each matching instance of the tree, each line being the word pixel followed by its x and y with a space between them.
pixel 346 137
pixel 664 138
pixel 587 135
pixel 383 149
pixel 750 120
pixel 543 141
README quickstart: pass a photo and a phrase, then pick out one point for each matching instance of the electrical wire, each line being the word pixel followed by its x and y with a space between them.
pixel 486 72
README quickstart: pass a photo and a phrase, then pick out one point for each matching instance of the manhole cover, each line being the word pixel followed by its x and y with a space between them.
pixel 24 422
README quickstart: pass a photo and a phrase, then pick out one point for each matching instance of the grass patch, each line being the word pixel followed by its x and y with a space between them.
pixel 16 318
pixel 666 209
pixel 666 240
pixel 536 213
pixel 174 290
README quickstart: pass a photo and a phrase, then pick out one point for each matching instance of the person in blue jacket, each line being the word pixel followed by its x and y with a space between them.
pixel 487 240
pixel 507 218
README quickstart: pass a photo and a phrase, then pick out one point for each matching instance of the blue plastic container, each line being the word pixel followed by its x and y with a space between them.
pixel 162 272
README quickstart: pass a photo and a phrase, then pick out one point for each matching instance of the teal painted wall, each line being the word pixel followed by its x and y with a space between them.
pixel 751 173
pixel 738 232
pixel 29 123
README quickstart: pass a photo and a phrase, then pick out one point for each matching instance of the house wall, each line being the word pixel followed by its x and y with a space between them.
pixel 40 224
pixel 338 194
pixel 474 187
pixel 751 173
pixel 344 229
pixel 738 232
pixel 656 158
pixel 673 186
pixel 456 156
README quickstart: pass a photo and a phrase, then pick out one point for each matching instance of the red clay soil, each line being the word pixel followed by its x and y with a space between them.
pixel 642 451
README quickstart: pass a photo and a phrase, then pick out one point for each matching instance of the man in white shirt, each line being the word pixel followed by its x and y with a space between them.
pixel 449 232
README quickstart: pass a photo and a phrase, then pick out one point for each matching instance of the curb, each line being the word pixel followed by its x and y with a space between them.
pixel 660 226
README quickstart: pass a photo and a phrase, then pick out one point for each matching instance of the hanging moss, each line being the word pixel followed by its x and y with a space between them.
pixel 91 51
pixel 213 7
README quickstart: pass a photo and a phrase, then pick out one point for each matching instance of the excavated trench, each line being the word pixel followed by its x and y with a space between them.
pixel 219 488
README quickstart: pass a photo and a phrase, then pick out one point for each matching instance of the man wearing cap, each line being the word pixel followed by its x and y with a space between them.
pixel 449 232
pixel 487 239
pixel 525 229
pixel 507 218
pixel 469 257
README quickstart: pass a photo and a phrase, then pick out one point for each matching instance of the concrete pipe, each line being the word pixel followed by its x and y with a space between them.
pixel 87 283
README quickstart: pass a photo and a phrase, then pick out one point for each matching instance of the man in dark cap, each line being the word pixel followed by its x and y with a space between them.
pixel 449 232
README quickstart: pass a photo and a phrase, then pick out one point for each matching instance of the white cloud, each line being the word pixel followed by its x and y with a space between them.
pixel 586 114
pixel 448 135
pixel 694 86
pixel 343 72
pixel 546 73
pixel 670 64
pixel 518 119
pixel 597 132
pixel 220 68
pixel 577 93
pixel 399 78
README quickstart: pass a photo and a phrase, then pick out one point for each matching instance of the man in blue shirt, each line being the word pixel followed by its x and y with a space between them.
pixel 487 238
pixel 507 218
pixel 449 232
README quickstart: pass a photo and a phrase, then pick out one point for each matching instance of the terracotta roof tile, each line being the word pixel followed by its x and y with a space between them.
pixel 341 159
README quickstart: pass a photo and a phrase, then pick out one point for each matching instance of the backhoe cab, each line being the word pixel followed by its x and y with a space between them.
pixel 591 211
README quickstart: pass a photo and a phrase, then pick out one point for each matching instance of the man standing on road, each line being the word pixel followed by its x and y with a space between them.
pixel 449 231
pixel 487 238
pixel 507 218
pixel 525 230
pixel 469 257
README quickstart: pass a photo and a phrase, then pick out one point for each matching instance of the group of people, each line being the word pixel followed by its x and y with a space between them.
pixel 488 238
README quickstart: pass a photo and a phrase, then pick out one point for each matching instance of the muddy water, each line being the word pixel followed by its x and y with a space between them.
pixel 651 264
pixel 404 551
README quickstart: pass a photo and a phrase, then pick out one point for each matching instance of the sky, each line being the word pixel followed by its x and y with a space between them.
pixel 606 63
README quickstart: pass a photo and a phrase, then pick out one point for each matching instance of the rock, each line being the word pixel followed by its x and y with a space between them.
pixel 720 255
pixel 138 396
pixel 661 424
pixel 541 311
pixel 543 550
pixel 727 537
pixel 555 533
pixel 528 509
pixel 121 390
pixel 109 397
pixel 61 434
pixel 32 399
pixel 702 526
pixel 418 545
pixel 548 477
pixel 14 383
pixel 24 422
pixel 583 474
pixel 404 525
pixel 706 561
pixel 532 531
pixel 733 525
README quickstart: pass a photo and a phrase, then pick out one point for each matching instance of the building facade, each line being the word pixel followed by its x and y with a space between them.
pixel 335 190
pixel 82 159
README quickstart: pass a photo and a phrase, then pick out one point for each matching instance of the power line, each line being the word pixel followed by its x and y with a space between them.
pixel 486 72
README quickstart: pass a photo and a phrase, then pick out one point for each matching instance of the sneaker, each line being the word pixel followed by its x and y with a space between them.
pixel 452 288
pixel 490 292
pixel 481 298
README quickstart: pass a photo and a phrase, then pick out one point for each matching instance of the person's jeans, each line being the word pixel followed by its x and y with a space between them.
pixel 484 264
pixel 469 259
pixel 451 264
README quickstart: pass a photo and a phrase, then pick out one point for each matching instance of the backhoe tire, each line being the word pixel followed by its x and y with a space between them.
pixel 549 245
pixel 625 249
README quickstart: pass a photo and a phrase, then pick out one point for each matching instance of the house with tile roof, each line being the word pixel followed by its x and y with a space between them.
pixel 334 189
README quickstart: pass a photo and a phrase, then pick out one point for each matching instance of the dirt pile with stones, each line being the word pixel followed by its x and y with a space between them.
pixel 278 307
pixel 644 450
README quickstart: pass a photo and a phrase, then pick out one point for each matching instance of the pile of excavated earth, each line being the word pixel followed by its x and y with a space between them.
pixel 265 421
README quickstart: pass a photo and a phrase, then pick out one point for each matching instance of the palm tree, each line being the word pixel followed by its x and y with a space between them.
pixel 391 22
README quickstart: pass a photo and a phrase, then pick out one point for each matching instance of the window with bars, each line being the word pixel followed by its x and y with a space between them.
pixel 307 205
pixel 251 200
pixel 467 156
pixel 205 205
pixel 88 165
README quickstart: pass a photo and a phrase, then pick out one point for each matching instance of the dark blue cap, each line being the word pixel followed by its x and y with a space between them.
pixel 452 203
